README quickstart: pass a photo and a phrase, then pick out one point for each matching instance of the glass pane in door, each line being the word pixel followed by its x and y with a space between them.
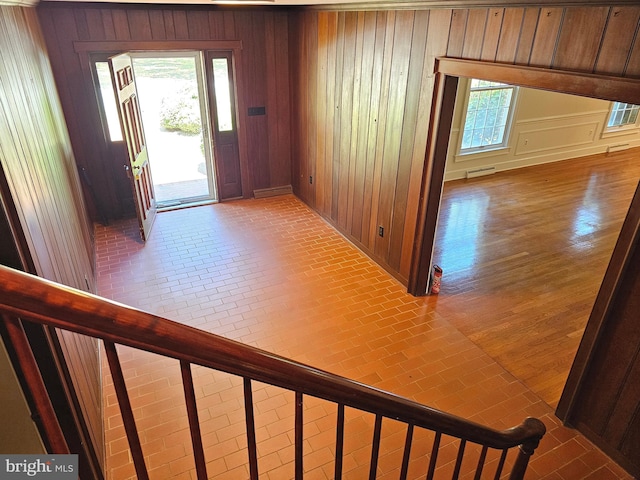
pixel 109 105
pixel 223 94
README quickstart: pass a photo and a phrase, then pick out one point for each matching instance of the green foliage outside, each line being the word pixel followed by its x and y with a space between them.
pixel 180 112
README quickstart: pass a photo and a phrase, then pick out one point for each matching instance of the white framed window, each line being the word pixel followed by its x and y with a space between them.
pixel 488 116
pixel 623 115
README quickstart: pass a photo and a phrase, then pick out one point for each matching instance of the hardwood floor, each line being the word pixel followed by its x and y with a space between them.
pixel 524 253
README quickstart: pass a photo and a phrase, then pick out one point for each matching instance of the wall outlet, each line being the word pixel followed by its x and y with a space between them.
pixel 381 231
pixel 310 179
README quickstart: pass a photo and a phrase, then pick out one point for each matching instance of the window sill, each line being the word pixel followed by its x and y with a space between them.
pixel 620 132
pixel 480 154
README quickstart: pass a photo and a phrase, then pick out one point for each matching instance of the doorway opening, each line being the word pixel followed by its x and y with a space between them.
pixel 187 108
pixel 588 212
pixel 174 114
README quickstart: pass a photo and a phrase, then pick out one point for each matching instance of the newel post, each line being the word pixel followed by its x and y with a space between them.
pixel 527 448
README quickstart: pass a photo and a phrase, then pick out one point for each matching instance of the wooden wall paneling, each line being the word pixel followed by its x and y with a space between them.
pixel 509 35
pixel 492 34
pixel 281 164
pixel 230 31
pixel 608 401
pixel 268 153
pixel 198 24
pixel 242 102
pixel 156 22
pixel 373 128
pixel 474 33
pixel 580 56
pixel 436 46
pixel 296 22
pixel 328 127
pixel 457 30
pixel 312 107
pixel 387 34
pixel 320 159
pixel 409 128
pixel 252 31
pixel 58 23
pixel 545 41
pixel 14 244
pixel 445 89
pixel 346 116
pixel 623 422
pixel 604 374
pixel 629 445
pixel 55 178
pixel 216 25
pixel 337 107
pixel 621 30
pixel 527 35
pixel 354 160
pixel 620 340
pixel 392 142
pixel 632 69
pixel 121 24
pixel 271 98
pixel 299 100
pixel 27 175
pixel 139 24
pixel 108 24
pixel 95 25
pixel 180 25
pixel 41 174
pixel 368 27
pixel 169 25
pixel 283 112
pixel 81 25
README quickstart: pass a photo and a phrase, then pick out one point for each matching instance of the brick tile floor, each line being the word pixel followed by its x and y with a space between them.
pixel 274 275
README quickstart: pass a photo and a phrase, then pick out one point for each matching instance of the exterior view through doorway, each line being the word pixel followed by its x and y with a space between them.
pixel 174 114
pixel 183 107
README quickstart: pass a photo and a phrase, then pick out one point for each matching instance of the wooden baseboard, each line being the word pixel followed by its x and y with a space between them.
pixel 272 192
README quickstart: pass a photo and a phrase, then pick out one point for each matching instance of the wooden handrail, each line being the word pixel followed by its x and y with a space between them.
pixel 35 299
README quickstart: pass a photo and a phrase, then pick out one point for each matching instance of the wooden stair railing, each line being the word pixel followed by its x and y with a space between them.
pixel 34 299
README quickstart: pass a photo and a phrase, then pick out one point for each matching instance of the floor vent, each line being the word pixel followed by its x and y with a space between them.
pixel 479 172
pixel 272 192
pixel 617 148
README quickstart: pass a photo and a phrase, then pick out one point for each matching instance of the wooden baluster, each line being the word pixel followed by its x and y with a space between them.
pixel 481 460
pixel 194 423
pixel 126 411
pixel 375 448
pixel 524 454
pixel 434 456
pixel 299 437
pixel 407 452
pixel 503 457
pixel 456 470
pixel 339 442
pixel 251 430
pixel 56 443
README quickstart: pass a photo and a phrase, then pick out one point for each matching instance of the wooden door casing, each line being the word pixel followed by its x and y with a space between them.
pixel 226 153
pixel 139 169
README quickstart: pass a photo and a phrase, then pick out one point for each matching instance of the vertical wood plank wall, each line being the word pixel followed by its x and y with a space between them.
pixel 363 84
pixel 608 401
pixel 265 82
pixel 362 87
pixel 40 173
